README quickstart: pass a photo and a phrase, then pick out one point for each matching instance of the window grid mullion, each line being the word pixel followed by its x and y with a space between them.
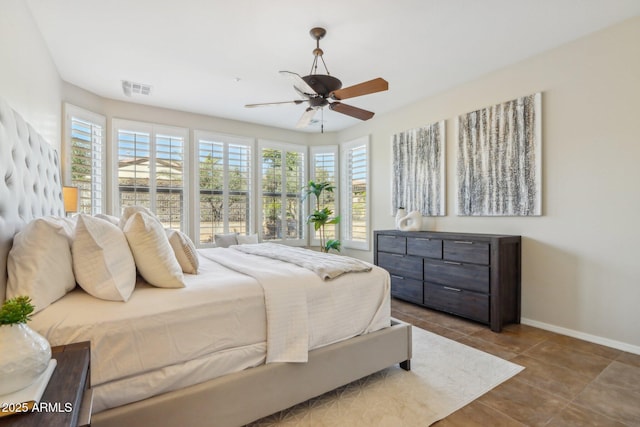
pixel 225 187
pixel 152 172
pixel 283 194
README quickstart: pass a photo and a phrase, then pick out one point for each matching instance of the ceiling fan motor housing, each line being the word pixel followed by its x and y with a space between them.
pixel 322 84
pixel 318 102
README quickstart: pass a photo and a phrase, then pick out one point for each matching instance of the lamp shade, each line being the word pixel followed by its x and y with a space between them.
pixel 70 197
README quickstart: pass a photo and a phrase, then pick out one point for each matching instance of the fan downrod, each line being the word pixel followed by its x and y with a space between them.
pixel 318 33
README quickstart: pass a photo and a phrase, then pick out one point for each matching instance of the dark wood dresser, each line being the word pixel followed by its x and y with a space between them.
pixel 476 276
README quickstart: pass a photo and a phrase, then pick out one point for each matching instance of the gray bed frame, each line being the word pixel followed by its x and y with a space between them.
pixel 239 398
pixel 30 187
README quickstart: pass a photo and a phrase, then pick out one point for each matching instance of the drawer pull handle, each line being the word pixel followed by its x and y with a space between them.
pixel 398 255
pixel 422 238
pixel 462 242
pixel 397 277
pixel 453 263
pixel 451 289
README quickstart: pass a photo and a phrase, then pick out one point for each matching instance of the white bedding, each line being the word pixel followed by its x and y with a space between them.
pixel 285 301
pixel 325 265
pixel 165 339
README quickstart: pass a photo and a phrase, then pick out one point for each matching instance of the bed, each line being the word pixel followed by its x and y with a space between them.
pixel 207 353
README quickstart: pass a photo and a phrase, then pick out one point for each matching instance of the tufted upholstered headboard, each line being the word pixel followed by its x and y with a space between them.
pixel 30 184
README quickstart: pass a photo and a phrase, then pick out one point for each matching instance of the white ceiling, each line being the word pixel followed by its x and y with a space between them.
pixel 214 56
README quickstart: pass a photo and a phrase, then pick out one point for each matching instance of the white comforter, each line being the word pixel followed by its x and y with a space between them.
pixel 152 343
pixel 284 289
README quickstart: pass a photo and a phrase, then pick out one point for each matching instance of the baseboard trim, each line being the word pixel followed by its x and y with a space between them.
pixel 583 336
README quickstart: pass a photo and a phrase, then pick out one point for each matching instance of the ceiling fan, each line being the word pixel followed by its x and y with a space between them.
pixel 324 90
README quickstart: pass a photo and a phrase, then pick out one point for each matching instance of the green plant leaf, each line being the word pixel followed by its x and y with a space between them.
pixel 16 310
pixel 334 220
pixel 332 244
pixel 321 217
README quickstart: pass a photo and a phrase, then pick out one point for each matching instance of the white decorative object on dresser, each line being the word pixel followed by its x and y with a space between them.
pixel 409 222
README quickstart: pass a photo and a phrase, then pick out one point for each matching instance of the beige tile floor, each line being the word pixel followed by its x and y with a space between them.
pixel 567 381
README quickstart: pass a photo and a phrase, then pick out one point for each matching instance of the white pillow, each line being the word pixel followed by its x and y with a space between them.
pixel 247 240
pixel 112 219
pixel 39 264
pixel 152 252
pixel 102 261
pixel 226 240
pixel 184 250
pixel 128 211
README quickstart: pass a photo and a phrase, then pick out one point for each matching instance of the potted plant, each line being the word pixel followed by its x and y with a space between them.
pixel 322 216
pixel 25 353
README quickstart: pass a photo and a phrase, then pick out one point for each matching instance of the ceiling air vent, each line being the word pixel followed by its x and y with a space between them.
pixel 135 88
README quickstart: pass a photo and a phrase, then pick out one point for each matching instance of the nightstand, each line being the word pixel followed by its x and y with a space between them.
pixel 68 395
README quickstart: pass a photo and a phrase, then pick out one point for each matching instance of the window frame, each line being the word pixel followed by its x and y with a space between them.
pixel 225 139
pixel 346 206
pixel 70 112
pixel 154 130
pixel 313 151
pixel 284 147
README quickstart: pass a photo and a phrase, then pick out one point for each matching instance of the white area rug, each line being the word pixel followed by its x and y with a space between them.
pixel 445 376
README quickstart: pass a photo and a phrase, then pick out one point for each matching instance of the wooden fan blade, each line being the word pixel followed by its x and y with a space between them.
pixel 297 101
pixel 365 88
pixel 299 84
pixel 306 117
pixel 349 110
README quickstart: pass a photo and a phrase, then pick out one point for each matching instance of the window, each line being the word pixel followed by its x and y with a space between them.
pixel 224 182
pixel 355 194
pixel 282 177
pixel 151 169
pixel 85 157
pixel 324 168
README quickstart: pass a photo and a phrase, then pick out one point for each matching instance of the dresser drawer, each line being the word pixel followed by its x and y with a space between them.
pixel 458 275
pixel 392 244
pixel 407 289
pixel 401 265
pixel 457 301
pixel 420 246
pixel 466 251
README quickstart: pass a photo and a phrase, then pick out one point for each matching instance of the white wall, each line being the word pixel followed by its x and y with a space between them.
pixel 29 80
pixel 581 268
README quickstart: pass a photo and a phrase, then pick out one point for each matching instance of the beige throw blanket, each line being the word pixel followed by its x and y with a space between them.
pixel 277 268
pixel 285 301
pixel 327 266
